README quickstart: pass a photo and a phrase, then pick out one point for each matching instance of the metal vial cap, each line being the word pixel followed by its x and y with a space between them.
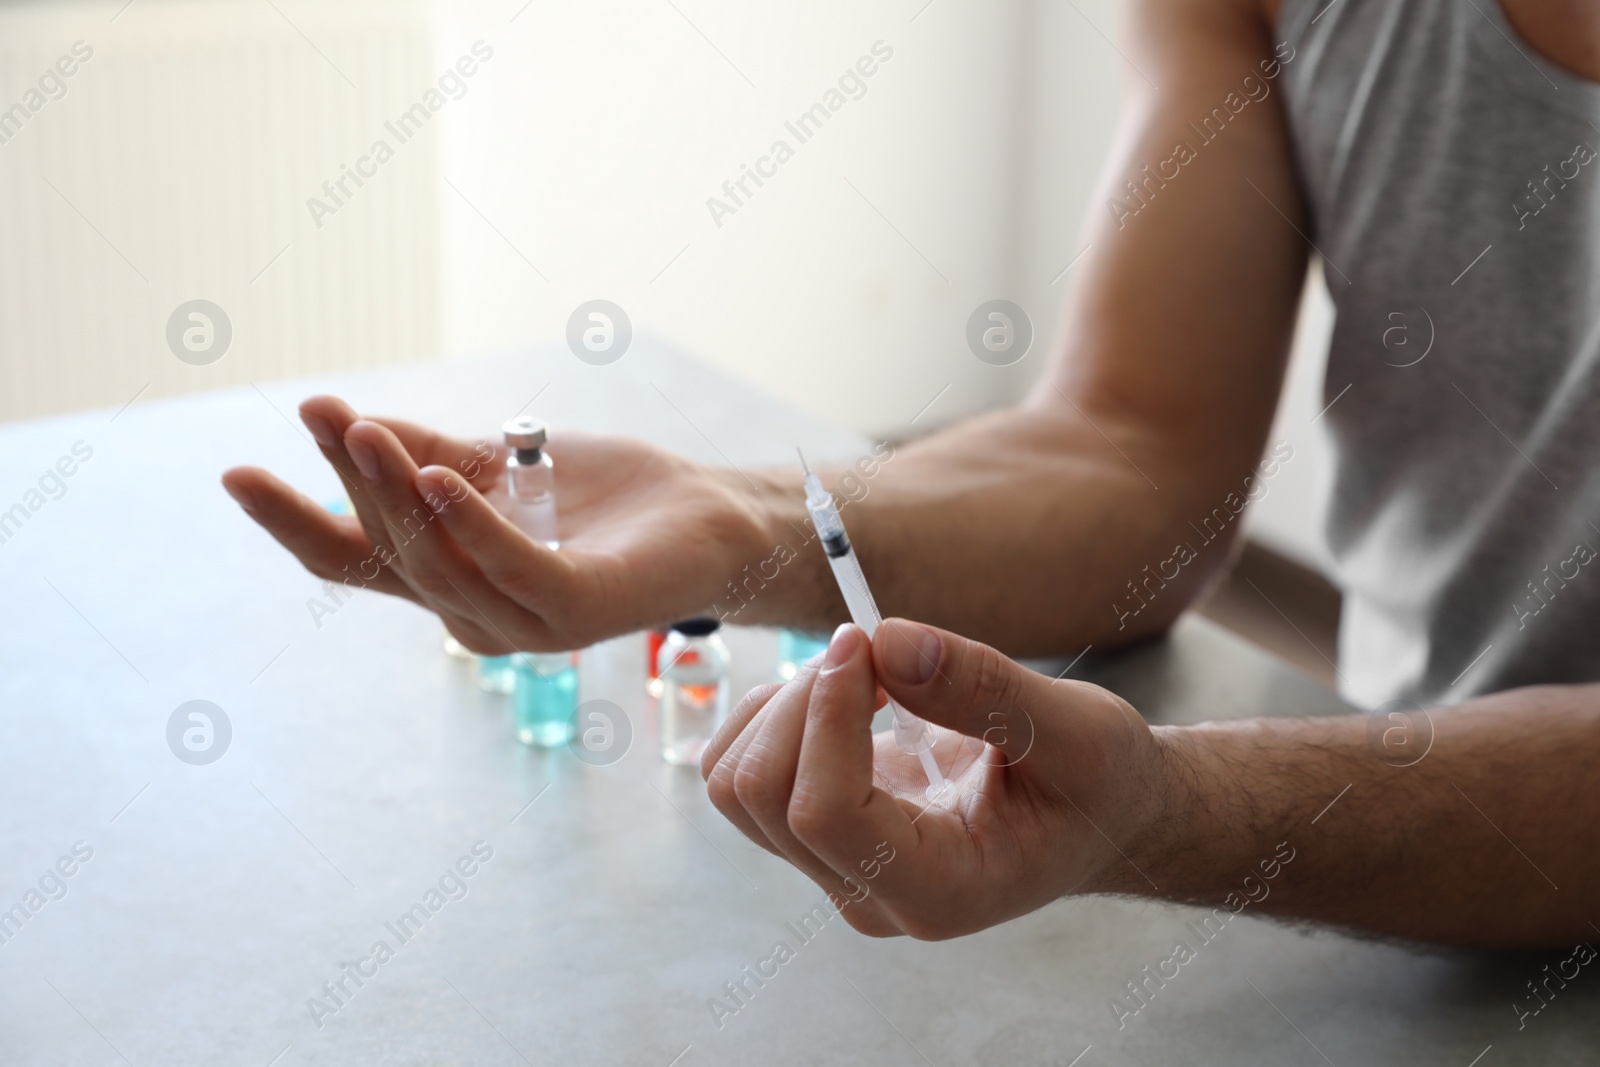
pixel 525 433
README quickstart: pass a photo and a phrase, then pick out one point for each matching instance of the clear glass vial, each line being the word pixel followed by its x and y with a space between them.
pixel 653 641
pixel 693 665
pixel 544 704
pixel 530 480
pixel 795 649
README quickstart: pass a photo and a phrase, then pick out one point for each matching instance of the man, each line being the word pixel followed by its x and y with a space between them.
pixel 1438 154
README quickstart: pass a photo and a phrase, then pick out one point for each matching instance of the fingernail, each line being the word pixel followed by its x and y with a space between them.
pixel 364 456
pixel 911 654
pixel 243 497
pixel 841 646
pixel 321 429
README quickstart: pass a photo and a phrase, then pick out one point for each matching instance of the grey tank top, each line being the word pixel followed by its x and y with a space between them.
pixel 1454 194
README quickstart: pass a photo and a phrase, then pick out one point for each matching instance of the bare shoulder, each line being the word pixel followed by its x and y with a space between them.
pixel 1242 15
pixel 1194 30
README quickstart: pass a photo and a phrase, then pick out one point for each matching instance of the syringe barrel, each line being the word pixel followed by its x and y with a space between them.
pixel 910 733
pixel 853 584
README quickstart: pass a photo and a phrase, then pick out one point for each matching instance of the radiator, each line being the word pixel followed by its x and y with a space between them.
pixel 175 164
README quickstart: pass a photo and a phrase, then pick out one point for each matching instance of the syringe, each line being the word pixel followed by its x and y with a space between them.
pixel 913 735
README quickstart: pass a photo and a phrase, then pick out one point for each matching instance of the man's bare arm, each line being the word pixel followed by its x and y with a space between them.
pixel 1038 529
pixel 1023 528
pixel 1489 840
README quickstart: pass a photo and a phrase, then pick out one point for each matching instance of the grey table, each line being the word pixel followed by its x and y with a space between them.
pixel 364 767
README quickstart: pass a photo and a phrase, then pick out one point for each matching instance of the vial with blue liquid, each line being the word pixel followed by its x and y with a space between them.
pixel 496 674
pixel 544 702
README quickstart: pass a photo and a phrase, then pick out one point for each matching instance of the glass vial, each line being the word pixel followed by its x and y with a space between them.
pixel 693 663
pixel 653 640
pixel 795 650
pixel 496 674
pixel 530 504
pixel 544 704
pixel 530 480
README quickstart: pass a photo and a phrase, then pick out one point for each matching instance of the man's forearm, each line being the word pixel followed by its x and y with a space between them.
pixel 1096 511
pixel 1488 836
pixel 1034 529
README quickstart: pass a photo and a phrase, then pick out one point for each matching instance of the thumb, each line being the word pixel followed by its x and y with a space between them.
pixel 962 685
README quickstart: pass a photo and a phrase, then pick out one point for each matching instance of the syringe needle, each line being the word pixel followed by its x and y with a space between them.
pixel 802 455
pixel 912 735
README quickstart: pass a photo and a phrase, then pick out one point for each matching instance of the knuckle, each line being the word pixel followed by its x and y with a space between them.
pixel 811 819
pixel 1101 701
pixel 937 920
pixel 477 643
pixel 500 572
pixel 871 923
pixel 755 699
pixel 720 787
pixel 921 928
pixel 754 789
pixel 506 573
pixel 430 583
pixel 994 678
pixel 320 569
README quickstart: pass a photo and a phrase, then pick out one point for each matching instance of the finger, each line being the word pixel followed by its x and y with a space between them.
pixel 720 764
pixel 433 564
pixel 327 417
pixel 764 760
pixel 728 747
pixel 336 548
pixel 536 577
pixel 329 546
pixel 836 811
pixel 764 781
pixel 964 685
pixel 480 462
pixel 730 729
pixel 747 709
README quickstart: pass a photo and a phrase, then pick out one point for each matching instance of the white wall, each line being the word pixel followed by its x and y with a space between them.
pixel 177 166
pixel 606 127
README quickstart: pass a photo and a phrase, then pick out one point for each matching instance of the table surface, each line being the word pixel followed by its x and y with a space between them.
pixel 364 764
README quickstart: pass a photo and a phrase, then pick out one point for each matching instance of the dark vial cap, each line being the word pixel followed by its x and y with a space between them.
pixel 699 626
